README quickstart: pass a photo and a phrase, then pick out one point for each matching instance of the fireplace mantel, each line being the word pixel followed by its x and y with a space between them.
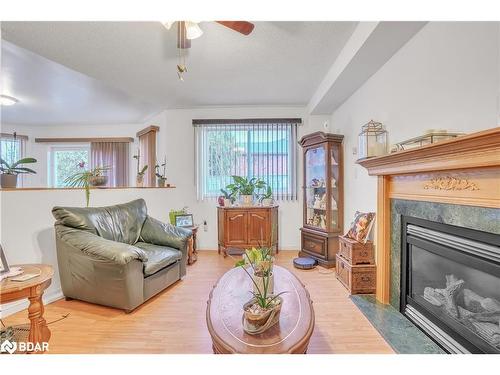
pixel 476 150
pixel 463 171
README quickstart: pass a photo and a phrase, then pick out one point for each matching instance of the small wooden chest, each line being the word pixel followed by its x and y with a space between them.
pixel 355 252
pixel 358 279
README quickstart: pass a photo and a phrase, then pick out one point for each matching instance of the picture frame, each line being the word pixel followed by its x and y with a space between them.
pixel 184 220
pixel 4 266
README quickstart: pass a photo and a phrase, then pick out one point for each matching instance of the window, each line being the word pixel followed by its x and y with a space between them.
pixel 263 148
pixel 64 161
pixel 12 148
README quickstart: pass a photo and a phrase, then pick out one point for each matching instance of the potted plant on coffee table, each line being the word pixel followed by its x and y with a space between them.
pixel 8 178
pixel 263 310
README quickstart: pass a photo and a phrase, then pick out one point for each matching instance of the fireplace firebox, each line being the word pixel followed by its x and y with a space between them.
pixel 450 284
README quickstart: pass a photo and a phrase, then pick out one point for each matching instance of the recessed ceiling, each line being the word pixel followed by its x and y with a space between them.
pixel 52 94
pixel 280 63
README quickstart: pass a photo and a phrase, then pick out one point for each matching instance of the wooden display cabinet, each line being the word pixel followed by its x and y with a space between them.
pixel 323 196
pixel 241 228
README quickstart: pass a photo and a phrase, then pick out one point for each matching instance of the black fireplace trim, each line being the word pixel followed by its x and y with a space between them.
pixel 472 234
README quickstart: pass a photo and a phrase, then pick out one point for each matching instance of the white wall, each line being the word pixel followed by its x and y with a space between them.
pixel 446 77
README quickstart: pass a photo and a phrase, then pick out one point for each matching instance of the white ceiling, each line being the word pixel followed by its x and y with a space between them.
pixel 280 63
pixel 51 94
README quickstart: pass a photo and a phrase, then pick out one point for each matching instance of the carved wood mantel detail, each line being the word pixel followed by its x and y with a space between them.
pixel 464 170
pixel 450 183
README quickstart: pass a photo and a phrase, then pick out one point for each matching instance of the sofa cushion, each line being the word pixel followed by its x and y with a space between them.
pixel 158 257
pixel 120 223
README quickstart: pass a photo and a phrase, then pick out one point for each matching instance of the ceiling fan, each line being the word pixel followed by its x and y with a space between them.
pixel 188 30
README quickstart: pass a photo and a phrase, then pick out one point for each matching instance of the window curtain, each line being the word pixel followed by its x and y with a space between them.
pixel 262 148
pixel 147 147
pixel 114 155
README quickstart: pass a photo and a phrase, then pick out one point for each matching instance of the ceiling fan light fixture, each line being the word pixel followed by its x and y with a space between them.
pixel 193 31
pixel 8 100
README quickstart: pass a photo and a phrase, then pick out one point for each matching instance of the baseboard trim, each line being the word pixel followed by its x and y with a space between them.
pixel 14 307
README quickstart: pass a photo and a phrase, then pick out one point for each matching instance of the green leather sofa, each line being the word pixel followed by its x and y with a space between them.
pixel 118 255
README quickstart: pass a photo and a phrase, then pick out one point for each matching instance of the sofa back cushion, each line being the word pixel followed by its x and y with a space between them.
pixel 120 223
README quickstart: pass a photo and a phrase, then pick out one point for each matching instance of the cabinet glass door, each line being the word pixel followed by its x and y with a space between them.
pixel 315 188
pixel 334 186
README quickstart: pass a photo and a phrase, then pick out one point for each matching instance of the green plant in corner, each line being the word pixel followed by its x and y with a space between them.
pixel 83 179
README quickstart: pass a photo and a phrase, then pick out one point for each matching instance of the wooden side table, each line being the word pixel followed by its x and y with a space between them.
pixel 192 253
pixel 32 290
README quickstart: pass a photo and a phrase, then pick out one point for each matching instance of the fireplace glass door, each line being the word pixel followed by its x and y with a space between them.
pixel 452 287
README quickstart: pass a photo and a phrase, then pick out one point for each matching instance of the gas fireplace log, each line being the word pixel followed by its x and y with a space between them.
pixel 490 317
pixel 475 303
pixel 449 294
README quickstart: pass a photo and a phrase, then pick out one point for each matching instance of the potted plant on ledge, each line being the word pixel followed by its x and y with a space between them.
pixel 263 310
pixel 162 179
pixel 86 179
pixel 8 178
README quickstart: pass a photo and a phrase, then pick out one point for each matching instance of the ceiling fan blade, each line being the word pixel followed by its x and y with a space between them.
pixel 242 27
pixel 182 41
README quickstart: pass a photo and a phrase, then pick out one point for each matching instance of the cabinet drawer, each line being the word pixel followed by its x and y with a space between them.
pixel 313 244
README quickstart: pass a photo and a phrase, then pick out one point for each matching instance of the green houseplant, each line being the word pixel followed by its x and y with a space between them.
pixel 246 188
pixel 87 178
pixel 266 198
pixel 161 177
pixel 263 310
pixel 139 179
pixel 8 178
pixel 229 195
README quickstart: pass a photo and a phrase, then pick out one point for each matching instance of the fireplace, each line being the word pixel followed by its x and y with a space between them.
pixel 450 284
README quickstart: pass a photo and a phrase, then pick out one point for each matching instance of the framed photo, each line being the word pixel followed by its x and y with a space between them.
pixel 184 220
pixel 4 266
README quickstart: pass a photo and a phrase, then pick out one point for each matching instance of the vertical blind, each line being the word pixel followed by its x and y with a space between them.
pixel 261 148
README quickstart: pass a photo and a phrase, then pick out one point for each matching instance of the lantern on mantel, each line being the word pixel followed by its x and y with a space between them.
pixel 372 140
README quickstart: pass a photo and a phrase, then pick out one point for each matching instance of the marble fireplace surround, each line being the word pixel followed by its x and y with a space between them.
pixel 454 182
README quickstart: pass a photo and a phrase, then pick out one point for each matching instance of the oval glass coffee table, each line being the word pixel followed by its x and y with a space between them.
pixel 225 312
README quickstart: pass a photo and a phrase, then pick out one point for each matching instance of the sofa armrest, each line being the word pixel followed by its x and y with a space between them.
pixel 158 233
pixel 98 247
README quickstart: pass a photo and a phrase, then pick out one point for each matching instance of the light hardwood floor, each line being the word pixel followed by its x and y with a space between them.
pixel 174 320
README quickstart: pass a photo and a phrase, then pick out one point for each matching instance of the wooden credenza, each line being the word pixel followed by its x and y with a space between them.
pixel 240 228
